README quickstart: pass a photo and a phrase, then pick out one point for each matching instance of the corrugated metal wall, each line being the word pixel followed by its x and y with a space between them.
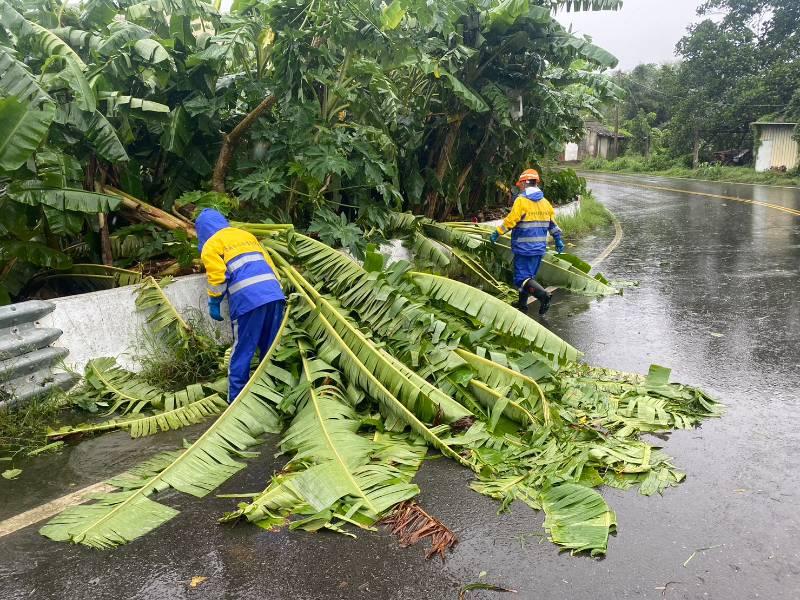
pixel 784 148
pixel 26 356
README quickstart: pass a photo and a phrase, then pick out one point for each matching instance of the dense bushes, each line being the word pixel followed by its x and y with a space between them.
pixel 562 186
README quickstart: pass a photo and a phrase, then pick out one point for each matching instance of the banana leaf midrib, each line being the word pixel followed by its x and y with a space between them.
pixel 151 485
pixel 127 423
pixel 328 439
pixel 471 357
pixel 410 417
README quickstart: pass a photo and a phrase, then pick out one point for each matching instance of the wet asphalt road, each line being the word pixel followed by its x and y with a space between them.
pixel 717 301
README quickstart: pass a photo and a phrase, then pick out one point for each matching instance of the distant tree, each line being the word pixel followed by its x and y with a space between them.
pixel 641 130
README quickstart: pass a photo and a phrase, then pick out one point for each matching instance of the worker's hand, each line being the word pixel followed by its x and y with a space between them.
pixel 494 237
pixel 214 308
pixel 559 245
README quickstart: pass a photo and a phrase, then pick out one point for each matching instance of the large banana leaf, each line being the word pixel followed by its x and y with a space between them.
pixel 35 253
pixel 35 193
pixel 78 38
pixel 122 517
pixel 17 80
pixel 561 273
pixel 104 380
pixel 428 251
pixel 499 376
pixel 577 518
pixel 162 317
pixel 497 404
pixel 97 130
pixel 83 92
pixel 400 399
pixel 22 129
pixel 44 42
pixel 335 475
pixel 495 313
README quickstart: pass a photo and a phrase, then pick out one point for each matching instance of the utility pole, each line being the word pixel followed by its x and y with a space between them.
pixel 616 133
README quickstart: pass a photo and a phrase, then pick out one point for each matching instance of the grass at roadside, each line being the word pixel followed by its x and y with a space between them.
pixel 24 429
pixel 591 216
pixel 655 166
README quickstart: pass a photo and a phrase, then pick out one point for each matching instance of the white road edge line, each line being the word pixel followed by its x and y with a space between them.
pixel 52 508
pixel 611 246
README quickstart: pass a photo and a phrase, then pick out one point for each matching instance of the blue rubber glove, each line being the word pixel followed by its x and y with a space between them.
pixel 214 306
pixel 494 237
pixel 559 245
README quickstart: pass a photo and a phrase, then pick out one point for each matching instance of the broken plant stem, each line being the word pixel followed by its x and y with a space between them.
pixel 411 524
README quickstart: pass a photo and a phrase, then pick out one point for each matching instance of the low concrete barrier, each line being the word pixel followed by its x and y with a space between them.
pixel 107 323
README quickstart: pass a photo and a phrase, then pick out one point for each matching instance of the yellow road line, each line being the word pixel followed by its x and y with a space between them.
pixel 791 211
pixel 612 246
pixel 45 511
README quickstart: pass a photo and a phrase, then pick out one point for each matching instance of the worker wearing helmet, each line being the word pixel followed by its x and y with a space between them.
pixel 530 220
pixel 237 266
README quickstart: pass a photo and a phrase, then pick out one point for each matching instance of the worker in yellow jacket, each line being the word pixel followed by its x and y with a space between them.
pixel 238 267
pixel 531 218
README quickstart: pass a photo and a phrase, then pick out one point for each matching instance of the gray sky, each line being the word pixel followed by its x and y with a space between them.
pixel 642 31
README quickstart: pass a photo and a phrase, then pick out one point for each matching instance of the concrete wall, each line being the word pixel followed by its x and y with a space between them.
pixel 106 323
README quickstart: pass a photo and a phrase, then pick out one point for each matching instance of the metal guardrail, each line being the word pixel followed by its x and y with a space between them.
pixel 26 355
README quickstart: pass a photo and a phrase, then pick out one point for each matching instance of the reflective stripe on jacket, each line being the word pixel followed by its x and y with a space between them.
pixel 530 220
pixel 236 264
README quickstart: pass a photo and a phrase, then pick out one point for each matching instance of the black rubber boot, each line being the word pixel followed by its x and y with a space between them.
pixel 544 304
pixel 522 303
pixel 538 292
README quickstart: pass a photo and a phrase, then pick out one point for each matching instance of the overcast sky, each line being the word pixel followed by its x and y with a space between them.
pixel 642 31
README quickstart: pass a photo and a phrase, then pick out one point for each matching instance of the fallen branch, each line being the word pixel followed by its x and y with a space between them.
pixel 142 211
pixel 411 524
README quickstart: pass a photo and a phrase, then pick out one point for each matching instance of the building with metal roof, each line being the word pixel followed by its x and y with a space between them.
pixel 776 147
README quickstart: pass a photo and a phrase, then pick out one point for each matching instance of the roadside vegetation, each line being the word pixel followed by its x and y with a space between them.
pixel 736 66
pixel 23 429
pixel 658 166
pixel 590 217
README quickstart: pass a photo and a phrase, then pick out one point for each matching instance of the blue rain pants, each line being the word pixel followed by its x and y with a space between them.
pixel 525 267
pixel 255 329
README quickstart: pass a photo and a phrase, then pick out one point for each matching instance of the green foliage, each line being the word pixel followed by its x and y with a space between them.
pixel 563 186
pixel 336 231
pixel 22 129
pixel 23 428
pixel 134 97
pixel 141 425
pixel 737 65
pixel 591 216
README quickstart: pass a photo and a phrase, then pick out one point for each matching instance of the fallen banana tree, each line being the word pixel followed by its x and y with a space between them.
pixel 378 364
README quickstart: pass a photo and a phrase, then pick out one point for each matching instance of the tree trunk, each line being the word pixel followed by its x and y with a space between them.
pixel 695 149
pixel 432 201
pixel 105 240
pixel 231 140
